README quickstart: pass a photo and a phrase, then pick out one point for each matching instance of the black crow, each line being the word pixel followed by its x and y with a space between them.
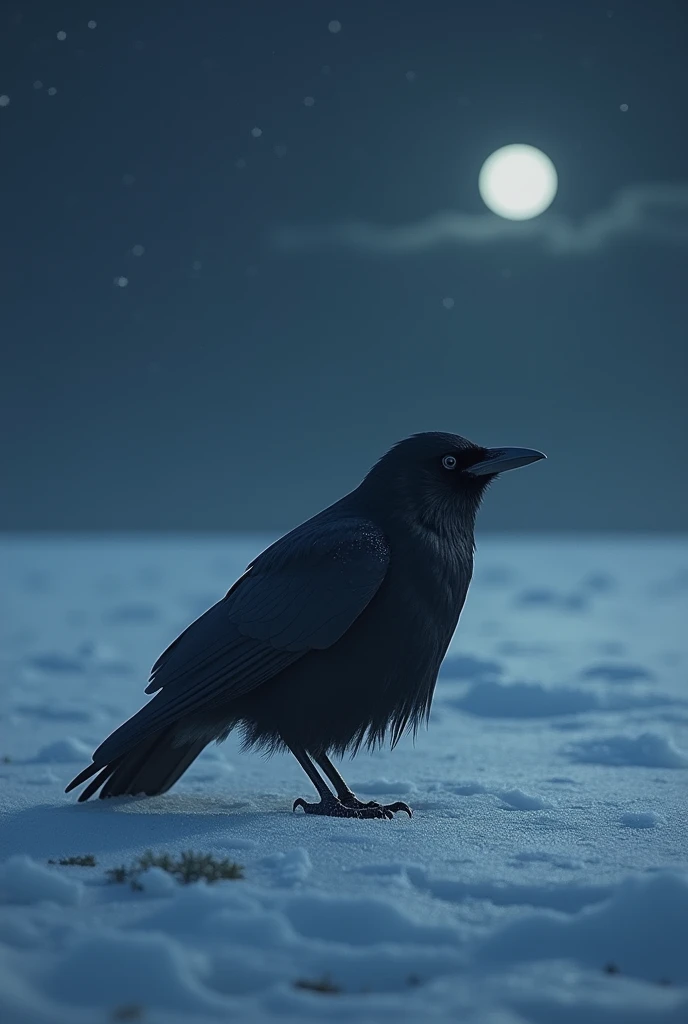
pixel 332 638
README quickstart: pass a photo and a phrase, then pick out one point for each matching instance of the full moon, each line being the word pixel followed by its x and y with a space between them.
pixel 518 182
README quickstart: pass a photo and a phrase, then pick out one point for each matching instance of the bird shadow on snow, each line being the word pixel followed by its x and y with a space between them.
pixel 46 830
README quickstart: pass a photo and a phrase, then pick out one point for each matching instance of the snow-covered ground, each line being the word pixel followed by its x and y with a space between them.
pixel 542 878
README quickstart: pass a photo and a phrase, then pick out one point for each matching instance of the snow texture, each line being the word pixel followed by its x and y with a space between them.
pixel 542 879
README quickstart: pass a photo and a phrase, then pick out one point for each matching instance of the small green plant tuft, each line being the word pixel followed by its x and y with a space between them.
pixel 81 860
pixel 186 868
pixel 119 874
pixel 324 985
pixel 122 874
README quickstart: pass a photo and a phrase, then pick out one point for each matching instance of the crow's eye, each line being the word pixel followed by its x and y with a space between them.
pixel 449 462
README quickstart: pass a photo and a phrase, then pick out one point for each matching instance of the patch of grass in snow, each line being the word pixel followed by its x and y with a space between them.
pixel 324 985
pixel 6 759
pixel 81 860
pixel 186 868
pixel 122 874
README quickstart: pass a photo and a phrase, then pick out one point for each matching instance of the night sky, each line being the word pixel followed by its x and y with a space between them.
pixel 235 383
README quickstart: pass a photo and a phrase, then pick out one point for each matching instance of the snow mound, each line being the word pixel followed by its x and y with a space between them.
pixel 649 750
pixel 218 911
pixel 53 663
pixel 25 881
pixel 600 582
pixel 102 658
pixel 492 699
pixel 156 882
pixel 614 672
pixel 494 575
pixel 641 819
pixel 568 898
pixel 641 929
pixel 523 700
pixel 547 597
pixel 522 648
pixel 64 752
pixel 362 922
pixel 49 712
pixel 292 867
pixel 134 613
pixel 114 969
pixel 465 666
pixel 521 801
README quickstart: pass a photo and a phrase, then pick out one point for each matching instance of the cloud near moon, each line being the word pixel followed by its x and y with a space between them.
pixel 654 212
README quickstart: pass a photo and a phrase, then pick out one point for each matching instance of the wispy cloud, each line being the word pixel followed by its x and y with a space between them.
pixel 655 212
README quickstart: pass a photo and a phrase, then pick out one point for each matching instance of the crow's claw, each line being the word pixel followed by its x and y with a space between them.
pixel 398 805
pixel 332 807
pixel 353 801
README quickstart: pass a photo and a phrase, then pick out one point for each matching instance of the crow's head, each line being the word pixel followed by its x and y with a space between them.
pixel 438 476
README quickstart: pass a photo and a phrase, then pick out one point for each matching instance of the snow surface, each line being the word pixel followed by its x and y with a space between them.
pixel 544 874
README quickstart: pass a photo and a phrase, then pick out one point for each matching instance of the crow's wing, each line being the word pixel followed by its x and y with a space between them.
pixel 301 594
pixel 304 594
pixel 203 640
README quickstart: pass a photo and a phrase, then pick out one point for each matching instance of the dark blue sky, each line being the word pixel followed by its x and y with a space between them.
pixel 233 385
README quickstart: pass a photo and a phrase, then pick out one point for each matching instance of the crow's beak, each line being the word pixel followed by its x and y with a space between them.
pixel 500 459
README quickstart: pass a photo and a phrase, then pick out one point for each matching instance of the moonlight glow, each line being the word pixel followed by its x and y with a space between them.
pixel 518 182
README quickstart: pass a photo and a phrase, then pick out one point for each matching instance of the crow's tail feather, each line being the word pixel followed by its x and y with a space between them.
pixel 151 767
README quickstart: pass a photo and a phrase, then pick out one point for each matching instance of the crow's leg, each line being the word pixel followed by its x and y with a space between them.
pixel 329 804
pixel 345 795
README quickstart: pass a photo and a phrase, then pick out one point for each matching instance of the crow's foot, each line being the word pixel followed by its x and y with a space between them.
pixel 352 808
pixel 352 801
